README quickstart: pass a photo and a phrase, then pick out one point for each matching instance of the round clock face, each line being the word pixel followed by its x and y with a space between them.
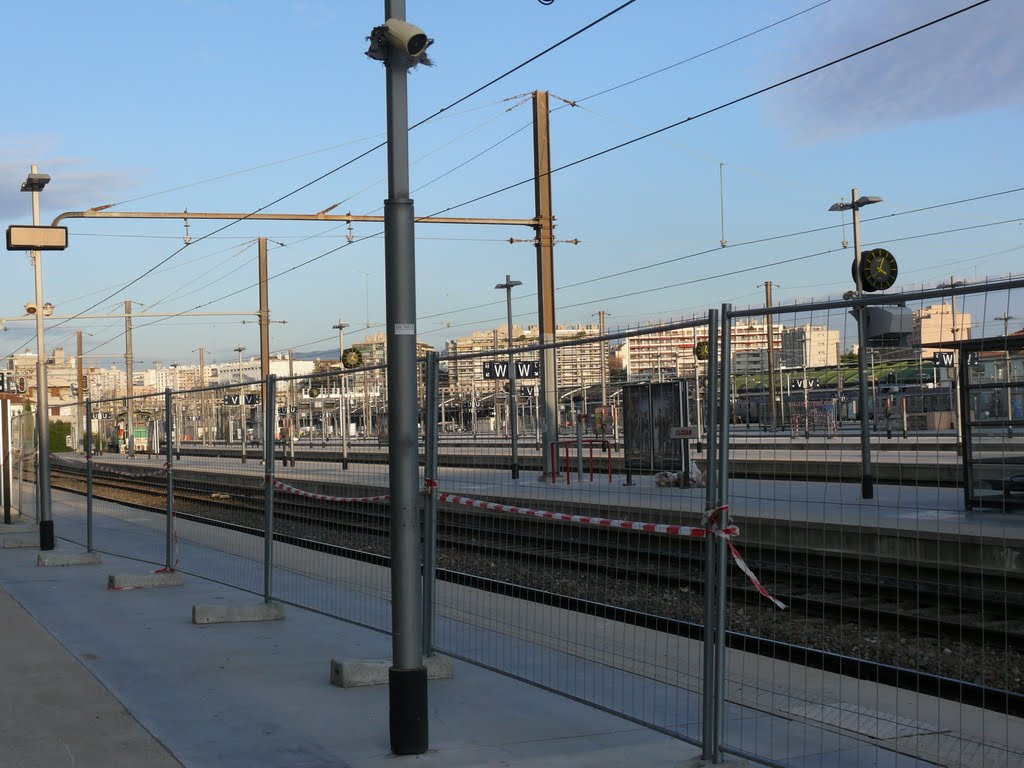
pixel 352 358
pixel 701 350
pixel 878 270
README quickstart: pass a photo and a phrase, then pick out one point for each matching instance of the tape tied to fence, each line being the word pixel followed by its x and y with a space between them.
pixel 712 526
pixel 281 486
pixel 107 469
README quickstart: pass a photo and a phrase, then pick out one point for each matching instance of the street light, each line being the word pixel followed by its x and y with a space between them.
pixel 343 404
pixel 513 397
pixel 858 202
pixel 241 397
pixel 34 183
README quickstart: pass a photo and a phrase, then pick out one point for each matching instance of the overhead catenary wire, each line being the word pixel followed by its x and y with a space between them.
pixel 706 112
pixel 361 155
pixel 718 108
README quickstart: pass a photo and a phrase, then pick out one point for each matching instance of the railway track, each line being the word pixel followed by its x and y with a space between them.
pixel 815 588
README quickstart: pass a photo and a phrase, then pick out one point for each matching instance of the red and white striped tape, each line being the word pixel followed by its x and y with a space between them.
pixel 712 529
pixel 278 485
pixel 603 522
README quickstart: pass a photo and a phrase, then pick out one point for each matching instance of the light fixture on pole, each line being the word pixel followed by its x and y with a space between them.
pixel 513 395
pixel 858 202
pixel 241 397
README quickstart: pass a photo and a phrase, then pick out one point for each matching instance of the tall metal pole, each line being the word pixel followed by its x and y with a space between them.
pixel 407 676
pixel 342 396
pixel 867 484
pixel 241 398
pixel 513 395
pixel 770 331
pixel 46 535
pixel 710 738
pixel 129 367
pixel 545 276
pixel 265 405
pixel 268 491
pixel 80 376
pixel 604 364
pixel 202 395
pixel 724 415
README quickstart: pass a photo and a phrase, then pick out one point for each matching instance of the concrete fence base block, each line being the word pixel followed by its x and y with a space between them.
pixel 61 558
pixel 223 614
pixel 22 540
pixel 14 529
pixel 352 674
pixel 144 580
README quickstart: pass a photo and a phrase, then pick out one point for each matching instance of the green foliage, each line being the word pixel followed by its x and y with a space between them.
pixel 59 433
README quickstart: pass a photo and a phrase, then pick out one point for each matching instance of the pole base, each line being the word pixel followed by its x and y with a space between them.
pixel 867 487
pixel 46 539
pixel 407 697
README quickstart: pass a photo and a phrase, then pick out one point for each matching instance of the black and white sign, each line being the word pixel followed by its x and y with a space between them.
pixel 525 369
pixel 252 399
pixel 948 359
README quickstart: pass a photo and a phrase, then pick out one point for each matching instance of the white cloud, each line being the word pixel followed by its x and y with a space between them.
pixel 74 184
pixel 969 63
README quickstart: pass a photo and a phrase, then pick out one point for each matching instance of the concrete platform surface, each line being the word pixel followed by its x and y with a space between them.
pixel 94 677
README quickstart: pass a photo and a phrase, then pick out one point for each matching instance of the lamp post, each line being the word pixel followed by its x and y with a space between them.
pixel 343 401
pixel 856 203
pixel 34 183
pixel 241 397
pixel 513 398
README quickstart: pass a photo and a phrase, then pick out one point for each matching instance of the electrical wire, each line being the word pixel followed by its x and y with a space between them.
pixel 323 176
pixel 720 107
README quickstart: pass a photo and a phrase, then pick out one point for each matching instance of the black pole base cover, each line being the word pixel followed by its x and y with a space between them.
pixel 46 535
pixel 867 487
pixel 408 710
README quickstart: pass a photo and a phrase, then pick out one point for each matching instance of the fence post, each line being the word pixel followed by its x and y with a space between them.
pixel 269 430
pixel 88 475
pixel 709 735
pixel 725 417
pixel 431 436
pixel 169 466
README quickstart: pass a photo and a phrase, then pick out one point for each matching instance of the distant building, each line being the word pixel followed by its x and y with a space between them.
pixel 938 324
pixel 809 346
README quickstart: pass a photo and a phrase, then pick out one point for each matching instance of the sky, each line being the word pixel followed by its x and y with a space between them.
pixel 239 106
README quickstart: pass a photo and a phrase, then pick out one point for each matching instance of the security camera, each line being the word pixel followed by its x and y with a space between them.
pixel 400 36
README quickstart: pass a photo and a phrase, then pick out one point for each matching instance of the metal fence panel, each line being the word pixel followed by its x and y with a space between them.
pixel 588 582
pixel 899 639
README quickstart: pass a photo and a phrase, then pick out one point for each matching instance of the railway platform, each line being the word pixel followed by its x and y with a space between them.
pixel 258 694
pixel 912 524
pixel 93 678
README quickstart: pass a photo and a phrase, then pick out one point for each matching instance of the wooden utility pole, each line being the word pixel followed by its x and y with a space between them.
pixel 545 275
pixel 770 332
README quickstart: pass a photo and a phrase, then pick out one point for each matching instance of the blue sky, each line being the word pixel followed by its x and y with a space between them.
pixel 227 106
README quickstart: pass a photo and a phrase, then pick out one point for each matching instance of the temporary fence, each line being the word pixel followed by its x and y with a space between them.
pixel 715 558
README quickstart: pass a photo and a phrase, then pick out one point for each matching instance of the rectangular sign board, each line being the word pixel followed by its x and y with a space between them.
pixel 525 369
pixel 683 433
pixel 31 238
